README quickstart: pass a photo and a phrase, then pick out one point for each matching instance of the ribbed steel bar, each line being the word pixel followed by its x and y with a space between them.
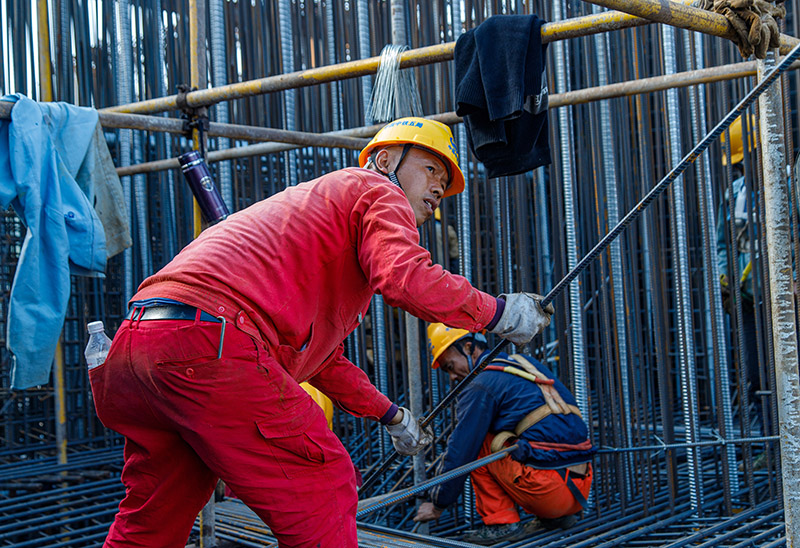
pixel 124 75
pixel 396 496
pixel 289 95
pixel 566 145
pixel 620 327
pixel 219 77
pixel 718 368
pixel 680 261
pixel 675 172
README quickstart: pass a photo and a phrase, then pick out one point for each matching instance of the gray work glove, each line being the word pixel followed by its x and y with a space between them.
pixel 407 437
pixel 523 317
pixel 754 22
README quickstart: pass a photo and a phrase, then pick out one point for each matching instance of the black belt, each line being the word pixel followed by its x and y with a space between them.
pixel 169 312
pixel 567 477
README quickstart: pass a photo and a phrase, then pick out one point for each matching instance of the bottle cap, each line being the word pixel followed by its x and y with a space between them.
pixel 95 327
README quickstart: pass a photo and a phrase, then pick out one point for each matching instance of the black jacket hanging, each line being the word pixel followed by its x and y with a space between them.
pixel 501 92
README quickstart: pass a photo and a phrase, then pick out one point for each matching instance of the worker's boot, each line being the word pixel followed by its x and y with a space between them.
pixel 564 522
pixel 491 534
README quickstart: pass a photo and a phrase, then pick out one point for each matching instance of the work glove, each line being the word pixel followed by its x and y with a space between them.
pixel 754 22
pixel 523 317
pixel 407 437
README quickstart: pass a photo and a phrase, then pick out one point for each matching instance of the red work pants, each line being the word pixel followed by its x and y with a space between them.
pixel 189 418
pixel 502 484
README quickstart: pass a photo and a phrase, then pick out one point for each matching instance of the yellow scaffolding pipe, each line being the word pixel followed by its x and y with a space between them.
pixel 598 93
pixel 683 16
pixel 197 47
pixel 46 94
pixel 551 32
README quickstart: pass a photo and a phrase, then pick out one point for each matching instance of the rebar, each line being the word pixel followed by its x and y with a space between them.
pixel 522 246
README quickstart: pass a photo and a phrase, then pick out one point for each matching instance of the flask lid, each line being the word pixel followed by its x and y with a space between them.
pixel 95 327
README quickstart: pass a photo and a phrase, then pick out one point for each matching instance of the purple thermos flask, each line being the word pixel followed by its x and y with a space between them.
pixel 205 191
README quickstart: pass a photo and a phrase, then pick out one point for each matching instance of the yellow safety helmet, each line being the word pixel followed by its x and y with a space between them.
pixel 431 135
pixel 322 400
pixel 737 144
pixel 440 337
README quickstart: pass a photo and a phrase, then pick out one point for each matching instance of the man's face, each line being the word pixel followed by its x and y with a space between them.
pixel 454 363
pixel 422 176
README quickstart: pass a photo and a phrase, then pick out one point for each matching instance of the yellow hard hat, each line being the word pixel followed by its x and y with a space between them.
pixel 322 400
pixel 737 144
pixel 440 337
pixel 431 135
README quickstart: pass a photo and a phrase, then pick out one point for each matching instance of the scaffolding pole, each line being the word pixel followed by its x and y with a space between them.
pixel 672 13
pixel 784 326
pixel 684 16
pixel 356 138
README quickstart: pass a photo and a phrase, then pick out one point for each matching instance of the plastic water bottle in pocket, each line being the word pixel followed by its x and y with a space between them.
pixel 98 346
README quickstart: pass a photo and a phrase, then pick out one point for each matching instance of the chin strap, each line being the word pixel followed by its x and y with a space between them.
pixel 460 350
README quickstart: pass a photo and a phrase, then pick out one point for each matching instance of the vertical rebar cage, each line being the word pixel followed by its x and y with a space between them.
pixel 640 337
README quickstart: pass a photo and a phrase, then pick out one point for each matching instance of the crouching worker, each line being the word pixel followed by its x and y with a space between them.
pixel 513 398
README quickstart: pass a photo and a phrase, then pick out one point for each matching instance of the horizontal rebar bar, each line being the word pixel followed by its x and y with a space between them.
pixel 686 445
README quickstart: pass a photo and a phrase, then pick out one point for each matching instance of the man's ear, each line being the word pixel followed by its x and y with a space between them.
pixel 382 159
pixel 468 348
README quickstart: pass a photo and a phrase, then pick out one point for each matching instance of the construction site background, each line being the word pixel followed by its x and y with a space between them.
pixel 651 357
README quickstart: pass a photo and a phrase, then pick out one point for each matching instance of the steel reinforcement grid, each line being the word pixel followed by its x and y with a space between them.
pixel 678 430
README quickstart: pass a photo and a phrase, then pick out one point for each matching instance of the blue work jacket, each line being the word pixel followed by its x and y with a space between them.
pixel 495 402
pixel 42 149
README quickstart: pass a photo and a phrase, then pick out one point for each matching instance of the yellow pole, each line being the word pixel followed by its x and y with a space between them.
pixel 45 70
pixel 46 94
pixel 197 55
pixel 684 16
pixel 674 13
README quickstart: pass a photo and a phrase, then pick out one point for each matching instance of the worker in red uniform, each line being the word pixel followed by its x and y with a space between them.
pixel 203 377
pixel 514 399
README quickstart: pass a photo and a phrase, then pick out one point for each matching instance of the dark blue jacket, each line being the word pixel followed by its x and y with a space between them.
pixel 496 401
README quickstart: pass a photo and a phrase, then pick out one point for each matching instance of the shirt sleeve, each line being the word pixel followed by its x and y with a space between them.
pixel 398 268
pixel 476 408
pixel 349 388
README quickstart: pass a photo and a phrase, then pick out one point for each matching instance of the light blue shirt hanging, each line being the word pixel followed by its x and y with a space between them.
pixel 42 149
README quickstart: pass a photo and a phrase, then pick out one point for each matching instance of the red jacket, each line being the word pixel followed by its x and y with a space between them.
pixel 303 266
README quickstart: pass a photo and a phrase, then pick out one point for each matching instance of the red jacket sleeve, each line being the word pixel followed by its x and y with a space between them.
pixel 349 388
pixel 398 268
